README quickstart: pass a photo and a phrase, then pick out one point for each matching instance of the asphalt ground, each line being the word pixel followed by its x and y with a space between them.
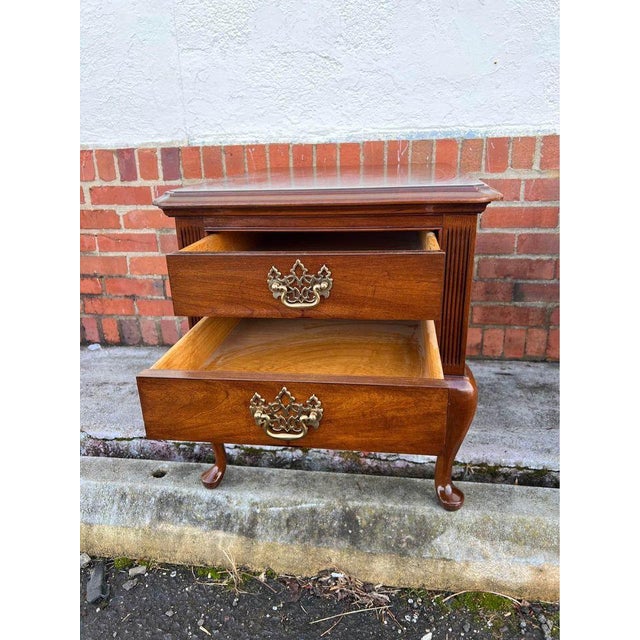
pixel 171 602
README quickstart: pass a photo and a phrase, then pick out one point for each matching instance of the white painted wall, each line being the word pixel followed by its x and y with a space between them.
pixel 238 71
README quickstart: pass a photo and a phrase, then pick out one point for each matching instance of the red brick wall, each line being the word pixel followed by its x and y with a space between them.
pixel 125 296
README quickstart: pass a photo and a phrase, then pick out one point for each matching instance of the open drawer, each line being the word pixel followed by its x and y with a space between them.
pixel 374 275
pixel 367 385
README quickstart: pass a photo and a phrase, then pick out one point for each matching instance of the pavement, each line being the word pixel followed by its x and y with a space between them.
pixel 373 515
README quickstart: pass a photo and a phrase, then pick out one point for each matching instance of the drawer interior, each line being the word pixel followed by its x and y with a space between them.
pixel 405 349
pixel 325 242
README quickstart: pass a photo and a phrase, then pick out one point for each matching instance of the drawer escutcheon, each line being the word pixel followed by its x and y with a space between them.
pixel 298 289
pixel 286 419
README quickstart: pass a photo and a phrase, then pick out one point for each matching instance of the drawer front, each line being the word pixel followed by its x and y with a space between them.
pixel 401 418
pixel 385 285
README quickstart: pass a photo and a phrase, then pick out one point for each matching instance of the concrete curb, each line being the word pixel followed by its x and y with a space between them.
pixel 380 529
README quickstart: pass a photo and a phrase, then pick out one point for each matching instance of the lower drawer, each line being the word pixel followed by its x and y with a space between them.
pixel 366 385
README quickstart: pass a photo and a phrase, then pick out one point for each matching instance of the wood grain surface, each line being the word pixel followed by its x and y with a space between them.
pixel 370 377
pixel 214 278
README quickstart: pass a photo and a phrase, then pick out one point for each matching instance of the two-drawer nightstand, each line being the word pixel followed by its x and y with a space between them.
pixel 329 309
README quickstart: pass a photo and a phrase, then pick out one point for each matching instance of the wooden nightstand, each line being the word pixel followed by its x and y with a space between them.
pixel 328 310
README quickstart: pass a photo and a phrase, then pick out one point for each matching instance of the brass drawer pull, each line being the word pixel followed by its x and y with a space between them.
pixel 286 419
pixel 299 289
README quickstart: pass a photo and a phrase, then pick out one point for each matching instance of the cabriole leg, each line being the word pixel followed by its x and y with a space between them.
pixel 211 478
pixel 463 400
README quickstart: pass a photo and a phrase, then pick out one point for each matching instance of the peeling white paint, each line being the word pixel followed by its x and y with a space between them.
pixel 240 71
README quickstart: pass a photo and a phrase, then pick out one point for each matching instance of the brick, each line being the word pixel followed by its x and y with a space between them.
pixel 536 343
pixel 134 287
pixel 550 152
pixel 110 330
pixel 82 198
pixel 90 286
pixel 87 242
pixel 147 219
pixel 491 291
pixel 170 161
pixel 191 163
pixel 397 153
pixel 373 152
pixel 508 187
pixel 212 162
pixel 447 153
pixel 471 156
pixel 519 217
pixel 234 160
pixel 99 219
pixel 553 345
pixel 90 332
pixel 120 195
pixel 103 265
pixel 148 266
pixel 169 331
pixel 516 268
pixel 87 170
pixel 256 155
pixel 539 243
pixel 514 341
pixel 349 154
pixel 159 189
pixel 474 341
pixel 109 306
pixel 326 156
pixel 554 318
pixel 130 330
pixel 168 242
pixel 149 330
pixel 155 307
pixel 127 165
pixel 148 164
pixel 522 152
pixel 536 292
pixel 495 243
pixel 105 162
pixel 301 155
pixel 542 189
pixel 421 152
pixel 128 242
pixel 508 315
pixel 493 343
pixel 496 158
pixel 167 288
pixel 278 156
pixel 183 327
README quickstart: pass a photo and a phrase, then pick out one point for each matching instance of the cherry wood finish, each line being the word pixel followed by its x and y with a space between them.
pixel 463 401
pixel 211 478
pixel 391 375
pixel 371 378
pixel 226 275
pixel 373 185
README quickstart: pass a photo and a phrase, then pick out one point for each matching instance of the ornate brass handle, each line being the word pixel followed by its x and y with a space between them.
pixel 286 419
pixel 298 289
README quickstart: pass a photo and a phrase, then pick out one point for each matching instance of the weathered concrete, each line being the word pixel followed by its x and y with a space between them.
pixel 516 425
pixel 384 530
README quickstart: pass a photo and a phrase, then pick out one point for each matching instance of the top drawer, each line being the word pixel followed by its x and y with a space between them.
pixel 376 275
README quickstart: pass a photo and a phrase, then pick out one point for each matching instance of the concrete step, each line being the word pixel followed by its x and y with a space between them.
pixel 384 530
